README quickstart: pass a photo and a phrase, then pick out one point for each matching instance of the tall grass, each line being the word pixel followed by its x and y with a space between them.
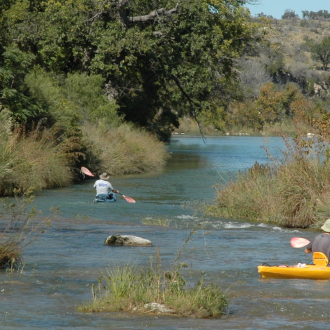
pixel 123 150
pixel 292 192
pixel 32 161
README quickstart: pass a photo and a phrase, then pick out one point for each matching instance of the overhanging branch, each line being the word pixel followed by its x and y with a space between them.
pixel 193 104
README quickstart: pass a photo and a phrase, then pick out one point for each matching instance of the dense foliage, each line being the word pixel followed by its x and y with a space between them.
pixel 153 61
pixel 321 14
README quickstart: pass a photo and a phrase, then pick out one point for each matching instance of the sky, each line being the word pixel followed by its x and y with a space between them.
pixel 276 8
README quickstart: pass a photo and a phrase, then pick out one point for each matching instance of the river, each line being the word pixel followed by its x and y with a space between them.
pixel 62 265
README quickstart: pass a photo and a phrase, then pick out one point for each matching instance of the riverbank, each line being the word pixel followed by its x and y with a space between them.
pixel 291 190
pixel 189 126
pixel 48 158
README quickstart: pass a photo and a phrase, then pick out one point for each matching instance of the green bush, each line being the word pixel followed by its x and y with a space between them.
pixel 57 109
pixel 88 95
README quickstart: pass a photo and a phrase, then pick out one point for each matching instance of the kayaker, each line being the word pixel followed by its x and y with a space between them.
pixel 104 189
pixel 321 242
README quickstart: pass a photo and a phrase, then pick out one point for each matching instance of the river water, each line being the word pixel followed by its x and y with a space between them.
pixel 62 265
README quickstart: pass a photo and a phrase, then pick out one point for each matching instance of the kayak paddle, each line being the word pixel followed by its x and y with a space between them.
pixel 89 173
pixel 86 171
pixel 128 199
pixel 298 242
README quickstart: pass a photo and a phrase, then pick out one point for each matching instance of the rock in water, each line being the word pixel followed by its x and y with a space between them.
pixel 128 240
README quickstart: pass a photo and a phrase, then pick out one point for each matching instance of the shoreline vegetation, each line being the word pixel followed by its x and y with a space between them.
pixel 189 126
pixel 292 190
pixel 123 150
pixel 47 158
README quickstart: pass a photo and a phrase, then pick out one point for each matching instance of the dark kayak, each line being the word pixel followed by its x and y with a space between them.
pixel 105 199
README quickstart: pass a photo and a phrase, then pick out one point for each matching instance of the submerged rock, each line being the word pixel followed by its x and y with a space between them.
pixel 127 240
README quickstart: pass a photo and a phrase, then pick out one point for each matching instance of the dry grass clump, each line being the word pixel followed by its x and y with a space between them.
pixel 294 192
pixel 32 161
pixel 18 228
pixel 123 150
pixel 131 288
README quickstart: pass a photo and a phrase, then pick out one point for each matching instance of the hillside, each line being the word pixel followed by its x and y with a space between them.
pixel 289 38
pixel 277 74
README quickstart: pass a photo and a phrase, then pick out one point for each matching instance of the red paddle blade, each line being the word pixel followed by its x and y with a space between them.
pixel 298 242
pixel 129 199
pixel 86 171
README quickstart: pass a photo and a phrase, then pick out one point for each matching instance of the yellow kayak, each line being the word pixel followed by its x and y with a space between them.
pixel 318 271
pixel 312 272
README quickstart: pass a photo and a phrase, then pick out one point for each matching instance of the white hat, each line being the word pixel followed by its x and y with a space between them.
pixel 104 176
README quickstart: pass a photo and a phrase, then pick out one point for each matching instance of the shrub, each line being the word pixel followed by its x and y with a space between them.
pixel 88 95
pixel 57 109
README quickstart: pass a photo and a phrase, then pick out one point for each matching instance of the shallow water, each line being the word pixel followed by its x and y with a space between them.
pixel 62 265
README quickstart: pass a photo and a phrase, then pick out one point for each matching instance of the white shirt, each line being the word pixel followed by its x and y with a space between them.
pixel 103 187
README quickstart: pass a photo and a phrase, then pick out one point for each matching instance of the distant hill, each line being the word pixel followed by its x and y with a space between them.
pixel 287 54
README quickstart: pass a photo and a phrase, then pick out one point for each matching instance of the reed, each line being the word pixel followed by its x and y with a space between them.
pixel 291 192
pixel 32 161
pixel 122 150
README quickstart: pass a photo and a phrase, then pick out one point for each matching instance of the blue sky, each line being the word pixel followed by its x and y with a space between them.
pixel 276 8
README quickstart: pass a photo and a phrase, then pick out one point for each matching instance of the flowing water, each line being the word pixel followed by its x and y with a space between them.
pixel 63 264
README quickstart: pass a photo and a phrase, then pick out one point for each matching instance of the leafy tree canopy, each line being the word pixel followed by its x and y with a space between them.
pixel 289 14
pixel 158 59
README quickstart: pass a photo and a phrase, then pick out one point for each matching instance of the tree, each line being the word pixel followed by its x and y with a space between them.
pixel 321 52
pixel 321 14
pixel 253 75
pixel 160 59
pixel 289 14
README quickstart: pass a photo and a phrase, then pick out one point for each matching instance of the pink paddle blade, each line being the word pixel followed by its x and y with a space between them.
pixel 129 199
pixel 86 171
pixel 298 242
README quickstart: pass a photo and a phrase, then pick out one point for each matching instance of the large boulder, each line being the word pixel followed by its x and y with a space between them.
pixel 127 240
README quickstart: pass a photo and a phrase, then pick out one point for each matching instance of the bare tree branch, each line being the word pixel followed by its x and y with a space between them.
pixel 126 20
pixel 192 105
pixel 156 13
